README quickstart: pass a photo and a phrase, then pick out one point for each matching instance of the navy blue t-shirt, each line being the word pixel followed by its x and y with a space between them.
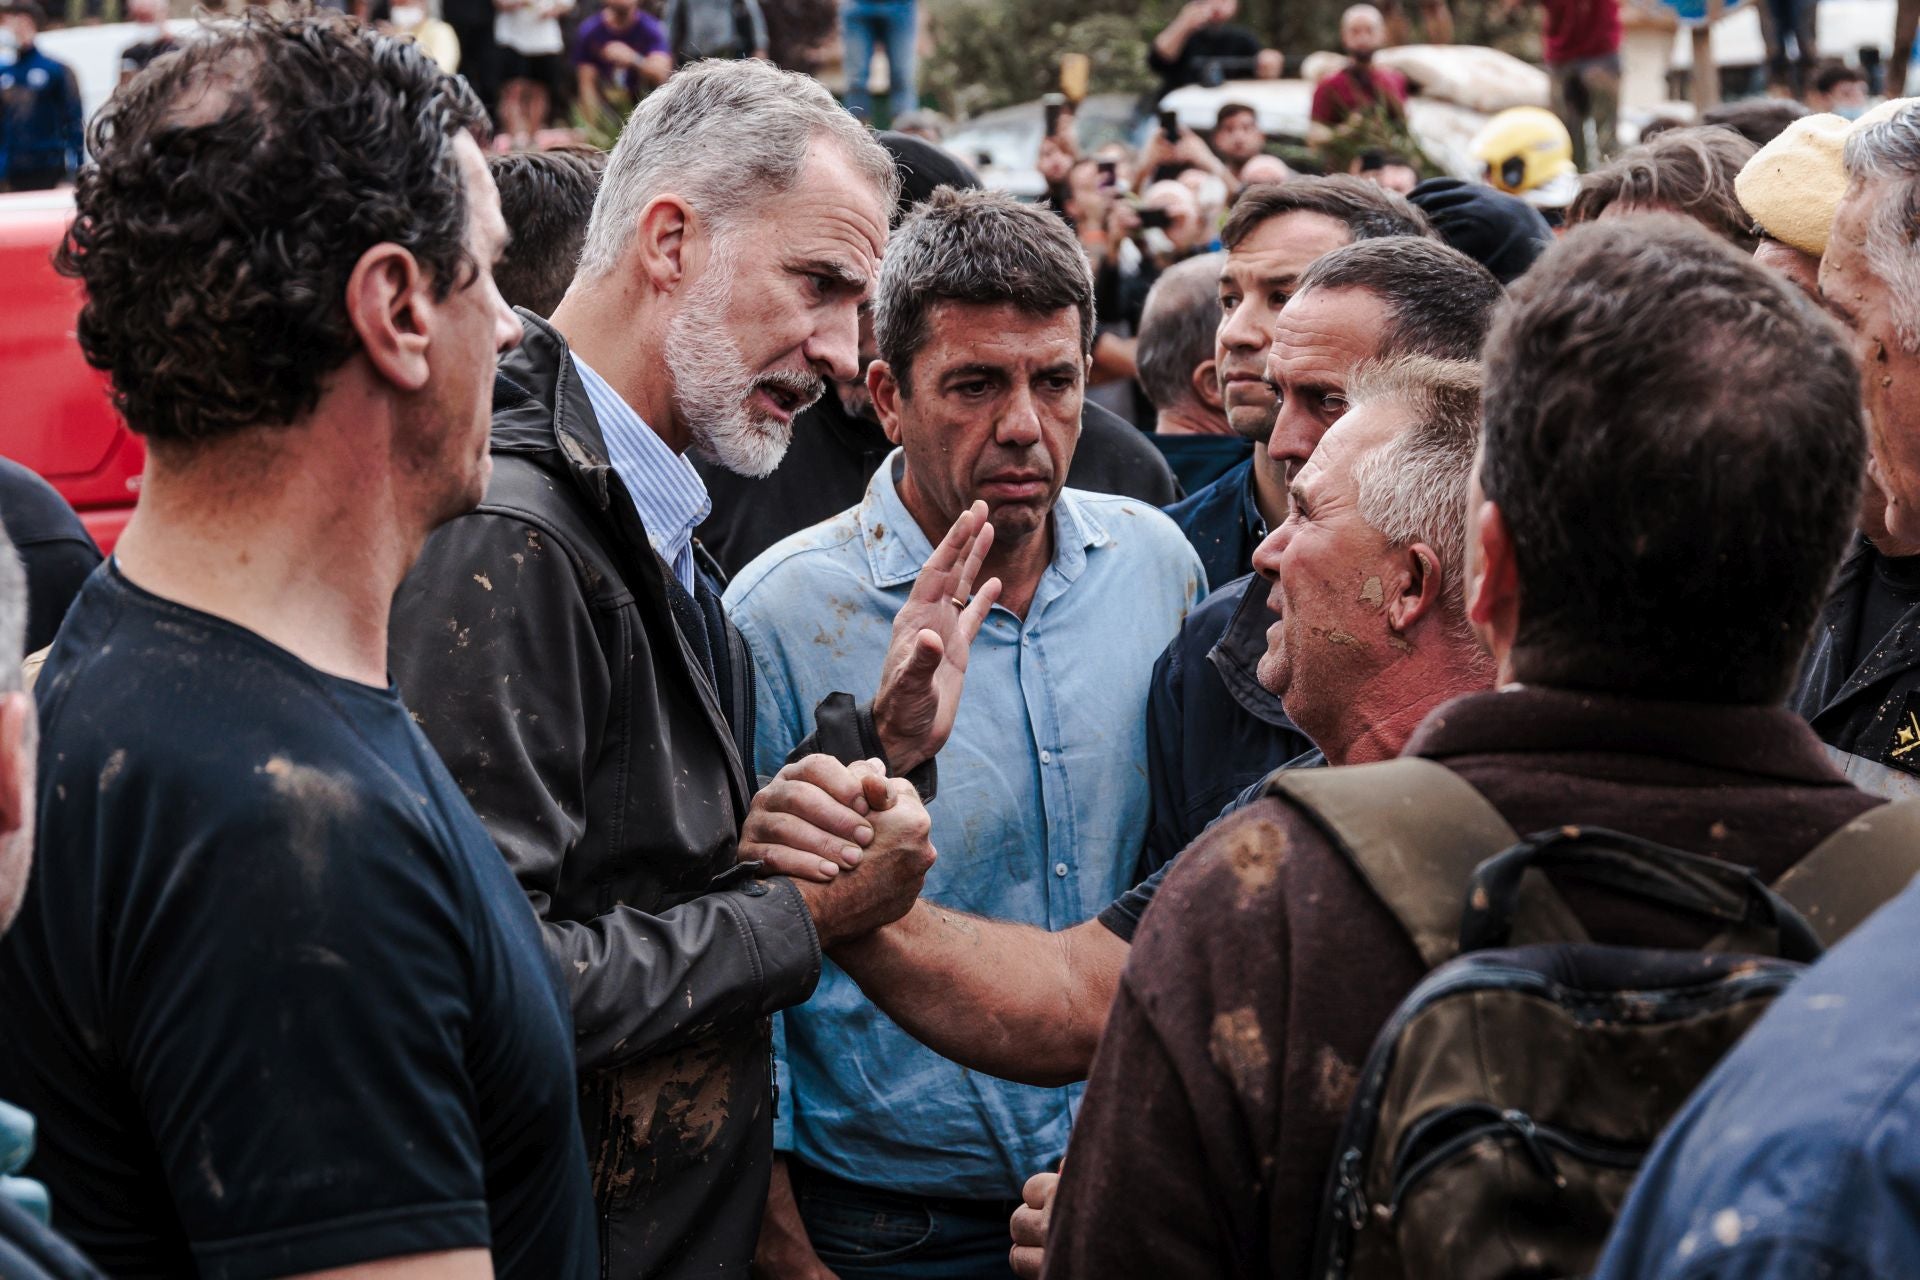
pixel 275 998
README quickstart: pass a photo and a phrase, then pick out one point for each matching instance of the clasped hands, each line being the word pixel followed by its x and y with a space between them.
pixel 819 819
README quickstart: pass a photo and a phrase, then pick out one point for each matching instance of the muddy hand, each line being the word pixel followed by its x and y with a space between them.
pixel 926 663
pixel 888 881
pixel 811 822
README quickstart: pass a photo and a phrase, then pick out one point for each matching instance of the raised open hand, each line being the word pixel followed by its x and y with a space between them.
pixel 926 663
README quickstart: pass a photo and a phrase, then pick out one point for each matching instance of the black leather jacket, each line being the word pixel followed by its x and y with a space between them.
pixel 540 645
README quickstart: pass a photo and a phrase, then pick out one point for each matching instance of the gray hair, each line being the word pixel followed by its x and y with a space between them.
pixel 1413 488
pixel 976 247
pixel 723 135
pixel 13 614
pixel 1177 328
pixel 1889 150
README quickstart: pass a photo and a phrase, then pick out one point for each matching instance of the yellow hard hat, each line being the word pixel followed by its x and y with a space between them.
pixel 1523 148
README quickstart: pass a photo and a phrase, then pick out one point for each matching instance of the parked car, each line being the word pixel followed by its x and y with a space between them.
pixel 1003 146
pixel 59 420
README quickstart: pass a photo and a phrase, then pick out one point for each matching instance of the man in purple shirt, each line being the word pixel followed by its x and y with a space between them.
pixel 621 49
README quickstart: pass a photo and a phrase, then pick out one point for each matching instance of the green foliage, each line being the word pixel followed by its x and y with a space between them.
pixel 993 53
pixel 602 128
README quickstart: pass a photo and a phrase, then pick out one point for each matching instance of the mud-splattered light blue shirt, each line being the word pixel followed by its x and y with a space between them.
pixel 1040 816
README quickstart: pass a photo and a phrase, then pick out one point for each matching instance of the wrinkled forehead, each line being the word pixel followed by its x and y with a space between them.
pixel 1000 336
pixel 1325 334
pixel 1347 441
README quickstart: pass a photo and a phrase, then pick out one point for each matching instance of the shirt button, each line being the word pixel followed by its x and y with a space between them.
pixel 1046 757
pixel 1060 869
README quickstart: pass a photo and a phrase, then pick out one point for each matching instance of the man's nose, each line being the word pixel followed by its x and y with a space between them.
pixel 1019 426
pixel 1266 556
pixel 1244 330
pixel 1296 433
pixel 834 349
pixel 506 327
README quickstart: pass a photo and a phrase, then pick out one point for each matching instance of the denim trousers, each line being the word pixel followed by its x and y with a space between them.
pixel 887 24
pixel 863 1233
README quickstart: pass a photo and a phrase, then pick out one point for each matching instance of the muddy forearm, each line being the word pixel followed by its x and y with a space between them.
pixel 1011 1000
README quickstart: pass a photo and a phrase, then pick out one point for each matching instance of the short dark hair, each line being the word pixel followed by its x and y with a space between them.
pixel 1832 75
pixel 1441 301
pixel 1758 120
pixel 29 9
pixel 1368 210
pixel 1674 536
pixel 546 198
pixel 234 186
pixel 975 247
pixel 1230 110
pixel 1688 171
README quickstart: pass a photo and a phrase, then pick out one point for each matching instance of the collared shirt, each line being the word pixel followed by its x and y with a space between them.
pixel 1041 812
pixel 664 486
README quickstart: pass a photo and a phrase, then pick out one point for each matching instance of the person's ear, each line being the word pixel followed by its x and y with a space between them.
pixel 1206 385
pixel 1418 583
pixel 16 761
pixel 390 305
pixel 664 235
pixel 886 393
pixel 1493 587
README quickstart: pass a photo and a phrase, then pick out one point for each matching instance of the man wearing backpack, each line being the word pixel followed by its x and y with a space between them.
pixel 1796 1158
pixel 1646 558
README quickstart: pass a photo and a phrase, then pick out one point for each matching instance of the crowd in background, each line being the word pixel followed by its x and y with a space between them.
pixel 728 703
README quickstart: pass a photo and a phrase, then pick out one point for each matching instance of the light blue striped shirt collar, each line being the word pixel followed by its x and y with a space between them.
pixel 665 488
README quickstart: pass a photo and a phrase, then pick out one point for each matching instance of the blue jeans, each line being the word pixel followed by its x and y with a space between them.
pixel 874 23
pixel 862 1233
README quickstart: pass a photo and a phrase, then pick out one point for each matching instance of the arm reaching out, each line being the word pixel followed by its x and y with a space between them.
pixel 1008 999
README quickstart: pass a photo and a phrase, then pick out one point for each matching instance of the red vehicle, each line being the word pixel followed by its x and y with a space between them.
pixel 60 421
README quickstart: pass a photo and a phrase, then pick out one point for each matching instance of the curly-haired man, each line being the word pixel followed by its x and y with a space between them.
pixel 277 1002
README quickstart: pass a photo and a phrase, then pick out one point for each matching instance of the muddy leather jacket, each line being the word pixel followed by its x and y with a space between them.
pixel 564 678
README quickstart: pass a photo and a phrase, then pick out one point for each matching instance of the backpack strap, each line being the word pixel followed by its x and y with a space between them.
pixel 1416 830
pixel 1856 870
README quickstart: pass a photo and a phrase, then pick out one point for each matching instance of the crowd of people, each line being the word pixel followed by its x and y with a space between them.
pixel 534 64
pixel 647 723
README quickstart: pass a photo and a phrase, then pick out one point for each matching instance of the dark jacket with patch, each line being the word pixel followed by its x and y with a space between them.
pixel 1868 714
pixel 597 717
pixel 1212 730
pixel 1258 981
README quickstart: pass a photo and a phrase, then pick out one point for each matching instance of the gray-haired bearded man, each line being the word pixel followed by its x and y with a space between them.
pixel 566 651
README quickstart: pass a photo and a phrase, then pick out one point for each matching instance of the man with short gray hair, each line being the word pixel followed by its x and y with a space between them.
pixel 1176 366
pixel 565 649
pixel 984 321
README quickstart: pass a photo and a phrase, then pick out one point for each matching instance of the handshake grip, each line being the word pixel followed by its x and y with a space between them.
pixel 888 880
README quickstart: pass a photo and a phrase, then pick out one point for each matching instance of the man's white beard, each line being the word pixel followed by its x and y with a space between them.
pixel 713 387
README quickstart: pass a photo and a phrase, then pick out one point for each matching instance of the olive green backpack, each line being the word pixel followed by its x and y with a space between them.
pixel 1508 1103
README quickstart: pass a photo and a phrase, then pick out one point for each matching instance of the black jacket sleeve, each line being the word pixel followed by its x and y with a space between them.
pixel 496 650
